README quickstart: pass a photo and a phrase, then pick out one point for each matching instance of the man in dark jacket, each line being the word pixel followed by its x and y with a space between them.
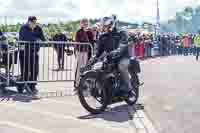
pixel 116 41
pixel 164 43
pixel 29 58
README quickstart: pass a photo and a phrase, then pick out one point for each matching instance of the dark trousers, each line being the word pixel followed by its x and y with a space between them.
pixel 180 50
pixel 163 51
pixel 173 49
pixel 197 53
pixel 60 56
pixel 147 51
pixel 191 50
pixel 194 50
pixel 29 64
pixel 89 53
pixel 185 50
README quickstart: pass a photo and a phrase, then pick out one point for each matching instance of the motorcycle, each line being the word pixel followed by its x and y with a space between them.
pixel 101 81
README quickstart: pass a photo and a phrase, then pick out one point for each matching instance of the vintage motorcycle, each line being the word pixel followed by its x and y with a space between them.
pixel 100 83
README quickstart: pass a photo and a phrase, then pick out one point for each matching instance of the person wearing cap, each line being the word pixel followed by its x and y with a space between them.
pixel 197 44
pixel 29 58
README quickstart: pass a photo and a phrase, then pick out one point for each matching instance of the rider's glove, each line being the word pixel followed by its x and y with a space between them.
pixel 92 61
pixel 88 66
pixel 115 54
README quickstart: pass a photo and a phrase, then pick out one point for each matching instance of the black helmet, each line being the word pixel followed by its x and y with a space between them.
pixel 107 21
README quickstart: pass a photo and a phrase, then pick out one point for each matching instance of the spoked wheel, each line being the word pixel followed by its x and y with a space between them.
pixel 135 90
pixel 20 88
pixel 91 94
pixel 3 90
pixel 3 87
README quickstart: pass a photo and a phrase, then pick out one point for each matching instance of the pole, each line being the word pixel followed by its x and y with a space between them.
pixel 157 27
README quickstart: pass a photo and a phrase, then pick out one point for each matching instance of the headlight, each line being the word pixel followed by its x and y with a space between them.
pixel 98 65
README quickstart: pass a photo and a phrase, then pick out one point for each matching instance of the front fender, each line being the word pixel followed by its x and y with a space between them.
pixel 108 76
pixel 91 72
pixel 134 66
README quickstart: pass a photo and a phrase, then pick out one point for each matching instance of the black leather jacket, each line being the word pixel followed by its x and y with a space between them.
pixel 114 40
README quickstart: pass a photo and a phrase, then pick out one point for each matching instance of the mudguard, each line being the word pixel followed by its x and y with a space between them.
pixel 134 66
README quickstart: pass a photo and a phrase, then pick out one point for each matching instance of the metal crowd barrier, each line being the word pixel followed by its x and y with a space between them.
pixel 39 62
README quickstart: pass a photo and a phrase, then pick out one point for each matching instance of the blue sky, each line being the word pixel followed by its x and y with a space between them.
pixel 58 10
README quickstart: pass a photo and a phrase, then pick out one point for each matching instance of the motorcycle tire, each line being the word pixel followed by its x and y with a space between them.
pixel 20 89
pixel 104 102
pixel 135 83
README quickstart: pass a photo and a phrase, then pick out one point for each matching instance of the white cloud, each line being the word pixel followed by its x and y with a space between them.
pixel 127 10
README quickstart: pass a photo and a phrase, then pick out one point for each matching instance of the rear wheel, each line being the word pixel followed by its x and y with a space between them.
pixel 92 95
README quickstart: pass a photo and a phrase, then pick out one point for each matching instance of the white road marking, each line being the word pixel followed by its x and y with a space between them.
pixel 138 124
pixel 61 102
pixel 146 122
pixel 60 116
pixel 23 127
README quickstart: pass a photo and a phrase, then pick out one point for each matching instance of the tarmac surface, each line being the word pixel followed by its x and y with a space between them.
pixel 170 97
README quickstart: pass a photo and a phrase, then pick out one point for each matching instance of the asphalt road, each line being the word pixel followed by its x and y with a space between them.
pixel 59 111
pixel 170 97
pixel 171 93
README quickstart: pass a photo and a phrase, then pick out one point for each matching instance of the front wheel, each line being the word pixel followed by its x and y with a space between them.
pixel 135 91
pixel 91 93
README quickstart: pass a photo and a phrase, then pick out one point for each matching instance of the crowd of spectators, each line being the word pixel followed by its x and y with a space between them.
pixel 165 44
pixel 145 46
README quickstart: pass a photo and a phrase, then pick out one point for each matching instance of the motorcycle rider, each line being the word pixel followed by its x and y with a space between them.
pixel 115 41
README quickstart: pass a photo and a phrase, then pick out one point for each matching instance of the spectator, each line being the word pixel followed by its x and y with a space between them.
pixel 193 44
pixel 197 44
pixel 83 35
pixel 1 33
pixel 60 48
pixel 98 30
pixel 29 58
pixel 148 46
pixel 168 44
pixel 164 43
pixel 172 45
pixel 141 48
pixel 190 44
pixel 185 44
pixel 178 45
pixel 91 41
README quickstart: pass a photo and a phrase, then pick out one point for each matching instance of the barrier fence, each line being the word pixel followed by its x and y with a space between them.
pixel 23 63
pixel 39 62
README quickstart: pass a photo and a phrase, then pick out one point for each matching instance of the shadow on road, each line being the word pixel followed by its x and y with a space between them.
pixel 11 95
pixel 116 114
